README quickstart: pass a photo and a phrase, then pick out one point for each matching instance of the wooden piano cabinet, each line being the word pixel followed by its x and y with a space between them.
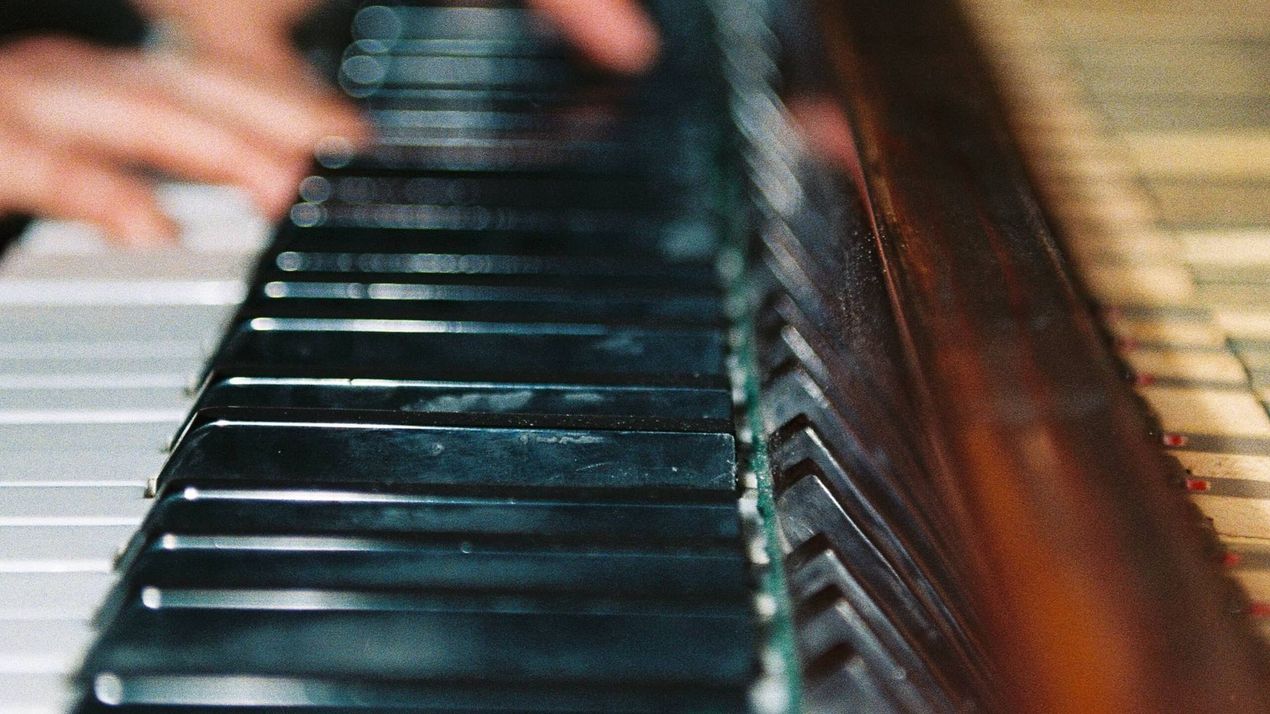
pixel 1092 583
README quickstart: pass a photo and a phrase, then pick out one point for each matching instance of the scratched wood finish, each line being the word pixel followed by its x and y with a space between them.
pixel 1094 593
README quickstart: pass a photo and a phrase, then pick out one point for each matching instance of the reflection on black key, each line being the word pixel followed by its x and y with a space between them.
pixel 605 357
pixel 204 508
pixel 395 301
pixel 420 639
pixel 183 694
pixel 365 564
pixel 686 255
pixel 374 450
pixel 704 409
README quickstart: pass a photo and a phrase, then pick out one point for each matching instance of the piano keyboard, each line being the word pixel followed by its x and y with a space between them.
pixel 476 434
pixel 468 441
pixel 1148 130
pixel 97 348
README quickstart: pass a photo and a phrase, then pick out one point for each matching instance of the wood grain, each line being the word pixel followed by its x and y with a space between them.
pixel 1056 494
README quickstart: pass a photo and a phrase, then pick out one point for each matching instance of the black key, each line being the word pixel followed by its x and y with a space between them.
pixel 359 637
pixel 468 153
pixel 427 217
pixel 177 694
pixel 394 301
pixel 524 281
pixel 617 272
pixel 487 23
pixel 382 451
pixel 389 250
pixel 271 348
pixel 527 189
pixel 709 408
pixel 364 74
pixel 202 508
pixel 618 575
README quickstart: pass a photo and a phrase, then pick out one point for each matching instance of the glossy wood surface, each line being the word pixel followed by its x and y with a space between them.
pixel 1095 587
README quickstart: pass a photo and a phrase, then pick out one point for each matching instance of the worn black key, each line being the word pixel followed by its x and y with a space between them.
pixel 512 275
pixel 203 508
pixel 424 216
pixel 266 347
pixel 543 96
pixel 414 302
pixel 383 451
pixel 593 112
pixel 520 283
pixel 487 23
pixel 682 259
pixel 410 122
pixel 709 409
pixel 526 189
pixel 363 74
pixel 575 139
pixel 364 637
pixel 616 574
pixel 202 694
pixel 496 154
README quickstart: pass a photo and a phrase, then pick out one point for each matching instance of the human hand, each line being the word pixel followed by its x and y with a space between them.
pixel 616 34
pixel 251 33
pixel 76 121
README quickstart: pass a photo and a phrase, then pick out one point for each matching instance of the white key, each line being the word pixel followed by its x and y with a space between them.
pixel 62 467
pixel 96 347
pixel 89 434
pixel 110 323
pixel 34 597
pixel 72 505
pixel 24 693
pixel 170 399
pixel 159 265
pixel 46 647
pixel 39 549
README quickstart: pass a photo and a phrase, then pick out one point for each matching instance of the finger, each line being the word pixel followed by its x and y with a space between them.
pixel 53 183
pixel 250 30
pixel 153 130
pixel 615 33
pixel 290 114
pixel 131 118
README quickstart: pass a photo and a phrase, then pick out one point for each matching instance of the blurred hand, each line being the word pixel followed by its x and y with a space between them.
pixel 76 121
pixel 614 33
pixel 237 106
pixel 253 33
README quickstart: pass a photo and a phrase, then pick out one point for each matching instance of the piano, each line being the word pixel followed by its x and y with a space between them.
pixel 898 357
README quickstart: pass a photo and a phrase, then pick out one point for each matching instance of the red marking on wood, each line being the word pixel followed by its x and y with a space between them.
pixel 1143 380
pixel 1230 559
pixel 1174 439
pixel 1259 609
pixel 1198 484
